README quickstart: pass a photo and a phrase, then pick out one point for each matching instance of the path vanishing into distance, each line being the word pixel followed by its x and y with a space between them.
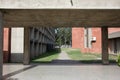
pixel 63 56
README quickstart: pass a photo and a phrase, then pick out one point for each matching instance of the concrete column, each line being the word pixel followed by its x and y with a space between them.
pixel 105 54
pixel 37 50
pixel 41 49
pixel 1 45
pixel 32 50
pixel 26 57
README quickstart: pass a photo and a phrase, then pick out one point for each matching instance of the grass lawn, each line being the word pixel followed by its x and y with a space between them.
pixel 47 57
pixel 75 54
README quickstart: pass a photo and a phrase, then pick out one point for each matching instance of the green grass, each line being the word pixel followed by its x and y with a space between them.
pixel 75 54
pixel 47 57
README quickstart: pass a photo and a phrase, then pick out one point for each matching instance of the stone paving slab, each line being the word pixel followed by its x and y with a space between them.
pixel 61 72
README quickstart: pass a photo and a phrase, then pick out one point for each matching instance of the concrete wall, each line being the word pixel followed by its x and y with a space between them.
pixel 17 44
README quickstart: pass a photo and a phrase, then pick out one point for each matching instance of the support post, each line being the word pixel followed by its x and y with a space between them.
pixel 1 45
pixel 26 57
pixel 105 55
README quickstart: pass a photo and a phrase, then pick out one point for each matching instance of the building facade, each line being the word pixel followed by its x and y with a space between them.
pixel 41 40
pixel 114 40
pixel 89 40
pixel 6 44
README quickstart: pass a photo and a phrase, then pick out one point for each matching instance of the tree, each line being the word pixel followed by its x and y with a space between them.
pixel 63 36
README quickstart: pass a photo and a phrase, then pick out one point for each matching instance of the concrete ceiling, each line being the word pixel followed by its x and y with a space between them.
pixel 57 13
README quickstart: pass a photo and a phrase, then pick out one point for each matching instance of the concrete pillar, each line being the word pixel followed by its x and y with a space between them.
pixel 105 54
pixel 32 50
pixel 1 45
pixel 37 50
pixel 41 49
pixel 26 57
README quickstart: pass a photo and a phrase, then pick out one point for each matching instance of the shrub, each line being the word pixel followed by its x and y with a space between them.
pixel 118 60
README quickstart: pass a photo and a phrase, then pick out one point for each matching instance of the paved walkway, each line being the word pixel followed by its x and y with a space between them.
pixel 61 72
pixel 53 71
pixel 63 56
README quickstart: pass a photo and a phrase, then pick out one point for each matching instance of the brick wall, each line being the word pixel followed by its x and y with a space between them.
pixel 78 40
pixel 77 37
pixel 6 52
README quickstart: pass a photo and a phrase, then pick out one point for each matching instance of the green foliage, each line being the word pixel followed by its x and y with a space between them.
pixel 118 60
pixel 63 36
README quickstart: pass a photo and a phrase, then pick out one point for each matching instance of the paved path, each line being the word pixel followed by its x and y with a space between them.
pixel 63 56
pixel 61 72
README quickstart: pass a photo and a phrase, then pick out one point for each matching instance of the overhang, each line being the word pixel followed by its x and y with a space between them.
pixel 61 18
pixel 114 35
pixel 61 13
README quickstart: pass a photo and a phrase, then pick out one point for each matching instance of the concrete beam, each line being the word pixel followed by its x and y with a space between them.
pixel 59 4
pixel 62 17
pixel 1 45
pixel 26 57
pixel 105 54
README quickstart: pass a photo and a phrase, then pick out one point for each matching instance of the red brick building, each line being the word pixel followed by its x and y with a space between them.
pixel 6 45
pixel 89 39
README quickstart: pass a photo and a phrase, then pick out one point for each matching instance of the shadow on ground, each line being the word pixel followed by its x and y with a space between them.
pixel 66 62
pixel 47 57
pixel 7 76
pixel 75 62
pixel 55 63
